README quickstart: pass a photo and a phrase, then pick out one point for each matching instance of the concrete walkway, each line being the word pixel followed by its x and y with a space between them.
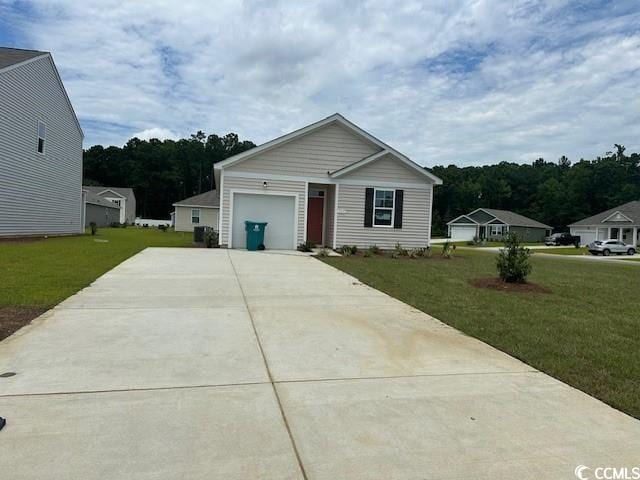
pixel 216 364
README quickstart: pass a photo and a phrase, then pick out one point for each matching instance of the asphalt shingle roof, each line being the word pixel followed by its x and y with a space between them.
pixel 630 210
pixel 124 191
pixel 96 200
pixel 11 56
pixel 206 199
pixel 515 219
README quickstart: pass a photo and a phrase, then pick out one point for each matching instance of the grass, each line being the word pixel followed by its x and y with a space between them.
pixel 41 273
pixel 585 332
pixel 565 251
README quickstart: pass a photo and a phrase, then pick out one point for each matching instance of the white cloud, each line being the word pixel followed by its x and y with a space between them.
pixel 156 132
pixel 464 81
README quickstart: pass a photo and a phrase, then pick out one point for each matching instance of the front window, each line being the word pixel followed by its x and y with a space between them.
pixel 383 208
pixel 195 215
pixel 42 134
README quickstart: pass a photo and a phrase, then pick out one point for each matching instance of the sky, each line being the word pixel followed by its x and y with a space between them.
pixel 466 82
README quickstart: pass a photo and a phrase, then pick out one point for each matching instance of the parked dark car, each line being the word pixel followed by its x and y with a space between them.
pixel 564 238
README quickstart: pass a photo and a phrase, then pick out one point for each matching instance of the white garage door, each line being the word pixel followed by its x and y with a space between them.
pixel 462 232
pixel 586 236
pixel 277 210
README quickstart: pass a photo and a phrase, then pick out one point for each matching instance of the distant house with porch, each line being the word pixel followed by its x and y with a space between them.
pixel 492 224
pixel 622 223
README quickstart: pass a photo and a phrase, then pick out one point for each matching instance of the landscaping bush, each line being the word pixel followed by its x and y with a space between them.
pixel 513 261
pixel 307 246
pixel 347 250
pixel 210 238
pixel 162 228
pixel 323 252
pixel 447 249
pixel 374 249
pixel 398 251
pixel 94 228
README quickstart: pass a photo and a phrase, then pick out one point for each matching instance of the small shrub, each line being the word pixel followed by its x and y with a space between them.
pixel 210 238
pixel 374 249
pixel 94 228
pixel 307 246
pixel 323 252
pixel 399 251
pixel 513 261
pixel 447 249
pixel 114 224
pixel 367 253
pixel 162 228
pixel 347 250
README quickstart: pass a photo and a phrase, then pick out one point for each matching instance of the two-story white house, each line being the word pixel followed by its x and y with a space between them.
pixel 40 148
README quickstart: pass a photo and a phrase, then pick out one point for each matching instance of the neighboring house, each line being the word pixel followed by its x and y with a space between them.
pixel 197 211
pixel 622 223
pixel 123 197
pixel 40 148
pixel 330 183
pixel 100 211
pixel 492 224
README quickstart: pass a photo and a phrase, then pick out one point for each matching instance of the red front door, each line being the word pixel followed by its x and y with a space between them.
pixel 315 211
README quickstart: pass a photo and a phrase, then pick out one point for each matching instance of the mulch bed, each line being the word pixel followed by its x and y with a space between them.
pixel 14 318
pixel 497 284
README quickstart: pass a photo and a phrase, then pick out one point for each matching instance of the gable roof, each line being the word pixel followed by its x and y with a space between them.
pixel 378 155
pixel 336 118
pixel 124 192
pixel 631 210
pixel 463 220
pixel 206 199
pixel 511 218
pixel 14 56
pixel 94 199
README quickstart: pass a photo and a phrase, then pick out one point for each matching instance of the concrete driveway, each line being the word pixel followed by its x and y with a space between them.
pixel 216 364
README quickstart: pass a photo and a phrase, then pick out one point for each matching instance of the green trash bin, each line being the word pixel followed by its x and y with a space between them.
pixel 255 235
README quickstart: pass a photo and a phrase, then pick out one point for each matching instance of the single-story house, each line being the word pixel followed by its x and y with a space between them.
pixel 121 196
pixel 40 149
pixel 330 183
pixel 493 224
pixel 622 223
pixel 98 210
pixel 197 211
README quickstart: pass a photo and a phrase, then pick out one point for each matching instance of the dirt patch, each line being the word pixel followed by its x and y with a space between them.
pixel 14 318
pixel 497 284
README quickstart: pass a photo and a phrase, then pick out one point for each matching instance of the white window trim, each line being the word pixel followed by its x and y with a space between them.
pixel 393 207
pixel 192 215
pixel 38 137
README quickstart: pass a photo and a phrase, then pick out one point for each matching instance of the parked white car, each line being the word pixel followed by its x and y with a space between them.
pixel 607 247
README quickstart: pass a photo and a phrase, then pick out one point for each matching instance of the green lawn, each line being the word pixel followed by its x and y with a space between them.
pixel 42 273
pixel 586 332
pixel 564 251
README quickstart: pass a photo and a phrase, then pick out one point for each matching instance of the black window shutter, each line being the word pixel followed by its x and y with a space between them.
pixel 368 207
pixel 397 214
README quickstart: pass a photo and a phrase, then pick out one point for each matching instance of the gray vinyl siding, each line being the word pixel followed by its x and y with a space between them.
pixel 416 219
pixel 329 216
pixel 101 215
pixel 386 169
pixel 39 193
pixel 327 149
pixel 208 218
pixel 256 185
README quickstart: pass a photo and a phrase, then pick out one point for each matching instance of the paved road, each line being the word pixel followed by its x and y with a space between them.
pixel 215 364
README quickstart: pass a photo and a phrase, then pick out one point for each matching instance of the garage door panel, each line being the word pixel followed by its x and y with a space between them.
pixel 460 232
pixel 277 210
pixel 586 236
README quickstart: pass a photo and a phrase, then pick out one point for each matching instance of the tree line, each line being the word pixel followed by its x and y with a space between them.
pixel 161 172
pixel 556 193
pixel 553 192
